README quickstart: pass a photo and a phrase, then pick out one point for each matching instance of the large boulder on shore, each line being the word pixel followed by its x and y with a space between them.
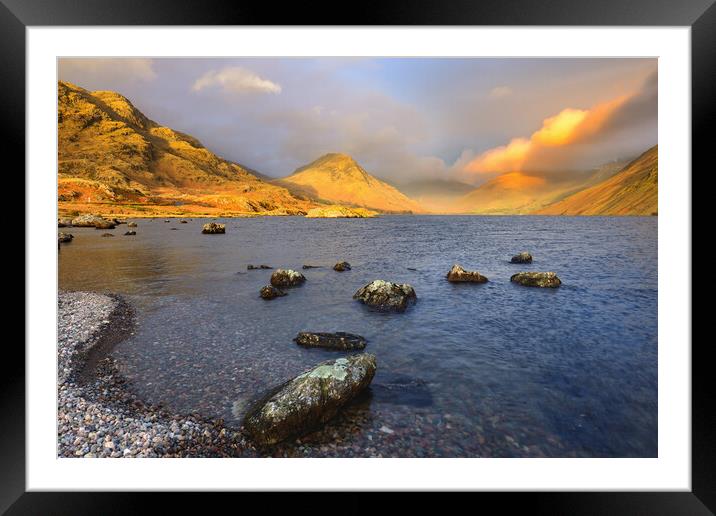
pixel 459 275
pixel 537 279
pixel 339 340
pixel 309 400
pixel 271 292
pixel 92 221
pixel 287 278
pixel 523 257
pixel 212 228
pixel 386 296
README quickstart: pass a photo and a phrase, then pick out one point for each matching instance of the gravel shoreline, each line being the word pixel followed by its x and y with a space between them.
pixel 97 416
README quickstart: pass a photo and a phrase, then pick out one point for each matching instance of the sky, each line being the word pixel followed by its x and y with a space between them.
pixel 402 119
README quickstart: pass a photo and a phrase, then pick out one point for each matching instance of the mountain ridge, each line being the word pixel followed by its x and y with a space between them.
pixel 631 191
pixel 338 178
pixel 114 159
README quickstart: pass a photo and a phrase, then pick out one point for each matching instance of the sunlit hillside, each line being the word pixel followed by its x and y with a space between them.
pixel 337 178
pixel 633 191
pixel 112 159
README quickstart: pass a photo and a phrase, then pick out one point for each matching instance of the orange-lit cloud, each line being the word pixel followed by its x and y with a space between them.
pixel 568 127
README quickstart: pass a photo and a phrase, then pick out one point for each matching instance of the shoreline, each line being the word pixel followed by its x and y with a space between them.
pixel 97 414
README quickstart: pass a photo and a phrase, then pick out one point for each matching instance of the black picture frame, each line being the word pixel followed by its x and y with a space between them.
pixel 700 15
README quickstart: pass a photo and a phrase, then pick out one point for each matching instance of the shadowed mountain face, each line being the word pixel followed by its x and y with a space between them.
pixel 337 178
pixel 632 191
pixel 112 159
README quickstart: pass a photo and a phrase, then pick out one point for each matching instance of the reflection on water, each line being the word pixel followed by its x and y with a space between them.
pixel 494 369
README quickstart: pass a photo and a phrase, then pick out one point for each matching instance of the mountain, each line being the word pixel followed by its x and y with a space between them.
pixel 112 159
pixel 436 195
pixel 519 193
pixel 337 178
pixel 632 191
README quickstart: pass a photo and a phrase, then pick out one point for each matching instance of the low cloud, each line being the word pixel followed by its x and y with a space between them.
pixel 108 70
pixel 575 138
pixel 236 80
pixel 499 92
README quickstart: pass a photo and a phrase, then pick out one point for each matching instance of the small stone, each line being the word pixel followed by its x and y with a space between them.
pixel 523 257
pixel 537 279
pixel 342 266
pixel 271 292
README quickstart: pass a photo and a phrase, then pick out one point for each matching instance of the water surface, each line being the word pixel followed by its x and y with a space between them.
pixel 470 370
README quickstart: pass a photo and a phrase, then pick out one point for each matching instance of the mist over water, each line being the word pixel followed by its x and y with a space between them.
pixel 470 370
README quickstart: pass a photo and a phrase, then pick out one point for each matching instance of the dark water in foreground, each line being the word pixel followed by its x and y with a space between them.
pixel 470 370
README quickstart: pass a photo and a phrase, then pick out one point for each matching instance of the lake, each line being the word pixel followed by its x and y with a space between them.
pixel 470 370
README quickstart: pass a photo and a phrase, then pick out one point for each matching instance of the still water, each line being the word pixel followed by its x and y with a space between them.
pixel 470 370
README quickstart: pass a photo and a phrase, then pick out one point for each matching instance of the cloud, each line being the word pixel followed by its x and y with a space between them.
pixel 499 92
pixel 576 137
pixel 110 70
pixel 235 79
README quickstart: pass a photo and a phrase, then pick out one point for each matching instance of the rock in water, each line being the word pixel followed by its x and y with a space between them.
pixel 339 340
pixel 342 266
pixel 92 221
pixel 287 278
pixel 523 257
pixel 386 296
pixel 270 292
pixel 106 224
pixel 131 224
pixel 107 235
pixel 459 275
pixel 537 279
pixel 254 267
pixel 305 266
pixel 130 233
pixel 64 237
pixel 308 401
pixel 183 222
pixel 212 228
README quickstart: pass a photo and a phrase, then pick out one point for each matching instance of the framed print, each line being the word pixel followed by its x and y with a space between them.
pixel 434 249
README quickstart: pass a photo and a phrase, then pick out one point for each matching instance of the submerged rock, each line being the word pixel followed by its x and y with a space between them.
pixel 523 257
pixel 254 267
pixel 287 278
pixel 107 235
pixel 271 292
pixel 131 224
pixel 339 340
pixel 386 296
pixel 212 228
pixel 459 275
pixel 91 221
pixel 183 222
pixel 130 233
pixel 342 266
pixel 64 237
pixel 309 400
pixel 311 266
pixel 537 279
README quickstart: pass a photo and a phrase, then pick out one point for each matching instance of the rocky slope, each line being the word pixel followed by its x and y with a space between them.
pixel 632 191
pixel 521 193
pixel 112 159
pixel 338 179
